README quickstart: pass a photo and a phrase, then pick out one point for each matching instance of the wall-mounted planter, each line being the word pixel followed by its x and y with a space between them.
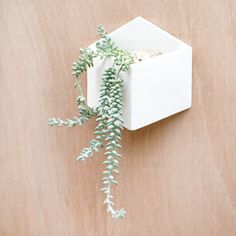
pixel 154 88
pixel 156 83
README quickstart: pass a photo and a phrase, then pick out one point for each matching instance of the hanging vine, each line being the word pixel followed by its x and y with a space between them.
pixel 108 113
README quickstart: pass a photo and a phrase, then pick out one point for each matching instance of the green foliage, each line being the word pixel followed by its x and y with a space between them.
pixel 114 127
pixel 85 60
pixel 94 146
pixel 109 112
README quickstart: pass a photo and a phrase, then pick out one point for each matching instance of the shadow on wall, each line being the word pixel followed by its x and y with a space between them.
pixel 149 139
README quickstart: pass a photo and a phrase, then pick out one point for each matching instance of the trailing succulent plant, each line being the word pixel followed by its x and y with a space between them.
pixel 108 113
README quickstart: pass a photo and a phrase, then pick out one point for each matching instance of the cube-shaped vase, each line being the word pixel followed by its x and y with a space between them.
pixel 155 87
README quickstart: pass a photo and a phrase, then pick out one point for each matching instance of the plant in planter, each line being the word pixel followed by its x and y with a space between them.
pixel 108 113
pixel 154 84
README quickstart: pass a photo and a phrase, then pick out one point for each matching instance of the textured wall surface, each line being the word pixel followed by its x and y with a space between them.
pixel 178 176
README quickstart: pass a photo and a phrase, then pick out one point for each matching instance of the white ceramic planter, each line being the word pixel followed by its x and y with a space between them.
pixel 154 88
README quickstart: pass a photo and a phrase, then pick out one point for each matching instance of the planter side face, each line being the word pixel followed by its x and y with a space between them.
pixel 160 87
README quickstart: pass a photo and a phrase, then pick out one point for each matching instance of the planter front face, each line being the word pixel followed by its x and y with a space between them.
pixel 154 88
